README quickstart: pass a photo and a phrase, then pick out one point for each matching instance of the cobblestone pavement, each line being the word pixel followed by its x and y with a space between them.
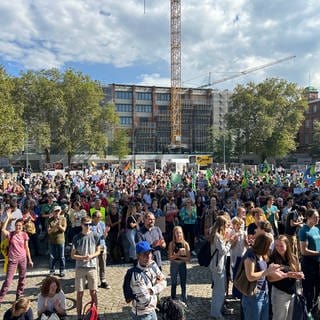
pixel 111 302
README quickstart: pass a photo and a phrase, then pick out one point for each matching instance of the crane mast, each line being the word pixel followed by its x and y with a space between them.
pixel 175 97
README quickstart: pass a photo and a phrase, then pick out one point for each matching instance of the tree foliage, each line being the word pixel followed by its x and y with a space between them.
pixel 265 118
pixel 40 94
pixel 315 145
pixel 64 113
pixel 12 138
pixel 120 142
pixel 221 144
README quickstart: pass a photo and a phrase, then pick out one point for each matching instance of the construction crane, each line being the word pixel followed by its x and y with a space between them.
pixel 175 63
pixel 242 73
pixel 175 96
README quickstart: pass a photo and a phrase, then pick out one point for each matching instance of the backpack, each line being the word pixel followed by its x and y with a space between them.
pixel 242 283
pixel 127 290
pixel 172 309
pixel 204 255
pixel 90 311
pixel 299 307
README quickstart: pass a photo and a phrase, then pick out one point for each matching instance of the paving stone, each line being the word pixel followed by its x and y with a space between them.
pixel 111 302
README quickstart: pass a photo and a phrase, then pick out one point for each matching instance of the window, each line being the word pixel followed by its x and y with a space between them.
pixel 144 120
pixel 314 108
pixel 123 95
pixel 143 108
pixel 123 107
pixel 143 96
pixel 163 109
pixel 163 96
pixel 125 120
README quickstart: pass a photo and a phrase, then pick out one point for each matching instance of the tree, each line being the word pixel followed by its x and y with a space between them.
pixel 64 112
pixel 86 120
pixel 315 145
pixel 40 94
pixel 12 128
pixel 120 142
pixel 264 118
pixel 221 144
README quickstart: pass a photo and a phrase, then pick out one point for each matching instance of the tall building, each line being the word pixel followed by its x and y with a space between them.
pixel 305 135
pixel 145 112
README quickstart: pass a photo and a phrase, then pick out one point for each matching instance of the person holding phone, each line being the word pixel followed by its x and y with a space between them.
pixel 18 255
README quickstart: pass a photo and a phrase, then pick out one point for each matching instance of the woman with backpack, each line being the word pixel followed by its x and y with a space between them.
pixel 220 247
pixel 132 226
pixel 284 285
pixel 256 306
pixel 179 255
pixel 18 255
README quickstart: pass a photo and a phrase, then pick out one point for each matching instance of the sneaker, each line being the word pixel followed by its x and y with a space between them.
pixel 105 285
pixel 62 274
pixel 51 273
pixel 227 311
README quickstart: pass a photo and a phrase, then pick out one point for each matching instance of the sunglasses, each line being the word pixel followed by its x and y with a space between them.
pixel 87 224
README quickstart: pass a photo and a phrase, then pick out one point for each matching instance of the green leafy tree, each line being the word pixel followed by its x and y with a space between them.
pixel 315 145
pixel 264 118
pixel 221 144
pixel 65 113
pixel 86 121
pixel 40 94
pixel 120 143
pixel 12 128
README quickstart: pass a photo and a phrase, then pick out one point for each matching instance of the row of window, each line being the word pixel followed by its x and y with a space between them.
pixel 128 108
pixel 127 95
pixel 125 120
pixel 143 108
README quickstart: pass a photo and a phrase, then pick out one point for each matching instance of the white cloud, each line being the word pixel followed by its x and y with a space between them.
pixel 218 37
pixel 154 79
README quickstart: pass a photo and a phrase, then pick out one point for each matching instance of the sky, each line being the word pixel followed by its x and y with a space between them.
pixel 128 41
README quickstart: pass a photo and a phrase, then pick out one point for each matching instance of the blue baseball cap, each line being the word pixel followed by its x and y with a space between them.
pixel 143 247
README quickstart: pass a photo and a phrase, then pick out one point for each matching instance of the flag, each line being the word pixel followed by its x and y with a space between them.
pixel 309 175
pixel 245 181
pixel 175 178
pixel 209 174
pixel 278 181
pixel 264 168
pixel 193 183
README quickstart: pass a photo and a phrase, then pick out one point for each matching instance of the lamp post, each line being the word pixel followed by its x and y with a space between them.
pixel 224 150
pixel 27 151
pixel 133 148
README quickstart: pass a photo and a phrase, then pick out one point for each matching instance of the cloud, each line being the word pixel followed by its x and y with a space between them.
pixel 153 79
pixel 219 37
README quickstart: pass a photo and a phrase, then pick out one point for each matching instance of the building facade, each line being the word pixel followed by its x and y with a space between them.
pixel 312 114
pixel 145 112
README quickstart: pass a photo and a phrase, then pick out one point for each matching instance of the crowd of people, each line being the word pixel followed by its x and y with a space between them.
pixel 115 216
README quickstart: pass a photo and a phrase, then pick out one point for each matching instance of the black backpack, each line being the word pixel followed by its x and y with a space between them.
pixel 172 309
pixel 204 255
pixel 300 311
pixel 127 290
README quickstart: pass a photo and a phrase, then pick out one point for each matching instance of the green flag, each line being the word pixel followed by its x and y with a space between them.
pixel 193 183
pixel 175 178
pixel 245 181
pixel 264 169
pixel 209 174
